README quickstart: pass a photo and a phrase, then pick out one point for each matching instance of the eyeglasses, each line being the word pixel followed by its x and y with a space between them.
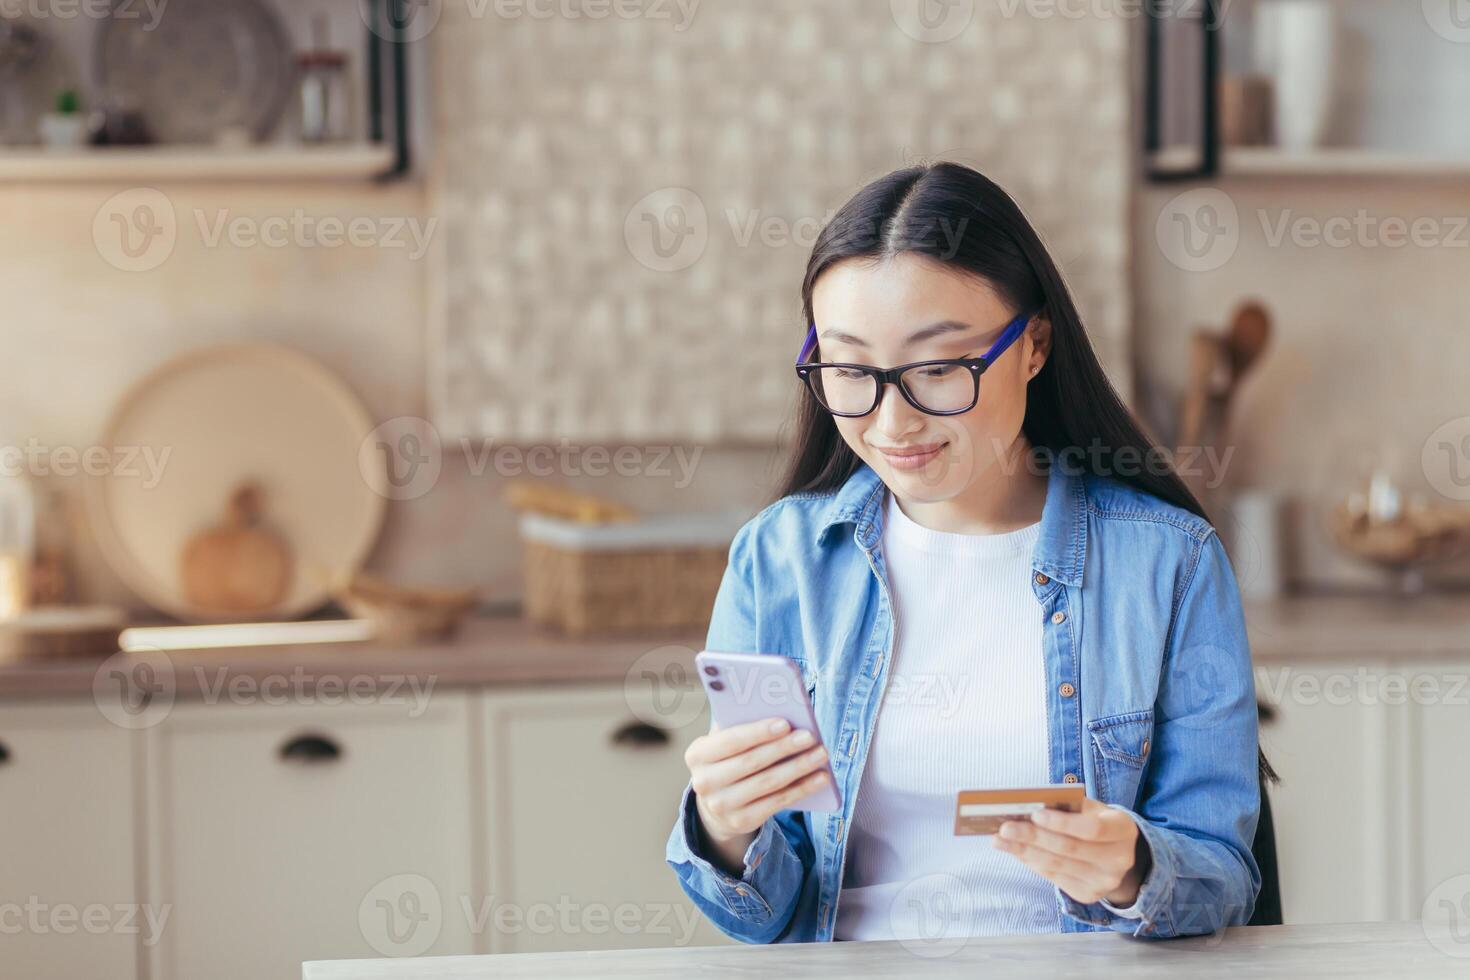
pixel 943 387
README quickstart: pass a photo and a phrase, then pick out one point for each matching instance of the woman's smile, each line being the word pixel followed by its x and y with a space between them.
pixel 914 457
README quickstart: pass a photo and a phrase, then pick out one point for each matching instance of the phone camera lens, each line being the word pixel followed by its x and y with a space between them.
pixel 712 671
pixel 716 685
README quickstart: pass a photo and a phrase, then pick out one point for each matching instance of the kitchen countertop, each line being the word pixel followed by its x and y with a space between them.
pixel 1395 949
pixel 488 651
pixel 509 650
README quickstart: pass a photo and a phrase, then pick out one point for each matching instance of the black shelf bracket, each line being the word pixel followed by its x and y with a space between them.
pixel 387 27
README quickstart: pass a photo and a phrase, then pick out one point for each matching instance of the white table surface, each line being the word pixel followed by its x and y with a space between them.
pixel 1395 949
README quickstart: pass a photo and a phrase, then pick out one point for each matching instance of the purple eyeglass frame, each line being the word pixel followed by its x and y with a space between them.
pixel 977 366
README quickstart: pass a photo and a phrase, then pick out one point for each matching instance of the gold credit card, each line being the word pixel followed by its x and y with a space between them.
pixel 982 811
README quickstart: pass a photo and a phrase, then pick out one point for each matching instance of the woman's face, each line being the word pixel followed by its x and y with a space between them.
pixel 912 308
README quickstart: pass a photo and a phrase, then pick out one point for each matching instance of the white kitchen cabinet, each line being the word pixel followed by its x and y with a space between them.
pixel 1338 830
pixel 1438 780
pixel 582 790
pixel 287 833
pixel 69 901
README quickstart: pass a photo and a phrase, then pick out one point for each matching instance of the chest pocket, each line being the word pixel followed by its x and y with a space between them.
pixel 1120 748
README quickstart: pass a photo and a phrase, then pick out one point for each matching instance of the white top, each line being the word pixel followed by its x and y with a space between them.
pixel 964 708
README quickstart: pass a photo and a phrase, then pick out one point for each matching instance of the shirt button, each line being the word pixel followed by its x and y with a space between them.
pixel 1041 578
pixel 1066 690
pixel 1070 777
pixel 1144 750
pixel 740 890
pixel 1058 617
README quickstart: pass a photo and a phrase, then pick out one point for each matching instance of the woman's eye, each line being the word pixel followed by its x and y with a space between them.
pixel 936 370
pixel 847 374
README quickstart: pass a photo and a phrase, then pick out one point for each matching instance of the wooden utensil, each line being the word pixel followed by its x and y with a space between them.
pixel 240 566
pixel 1218 363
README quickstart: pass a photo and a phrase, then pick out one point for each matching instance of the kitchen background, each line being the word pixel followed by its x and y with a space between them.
pixel 583 228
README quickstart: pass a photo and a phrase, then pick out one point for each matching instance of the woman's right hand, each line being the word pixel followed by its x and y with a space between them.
pixel 743 776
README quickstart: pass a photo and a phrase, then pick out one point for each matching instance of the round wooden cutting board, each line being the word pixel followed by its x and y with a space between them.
pixel 211 421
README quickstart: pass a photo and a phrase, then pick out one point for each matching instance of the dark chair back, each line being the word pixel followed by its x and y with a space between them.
pixel 1268 903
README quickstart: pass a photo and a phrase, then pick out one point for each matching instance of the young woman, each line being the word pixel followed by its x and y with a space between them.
pixel 990 578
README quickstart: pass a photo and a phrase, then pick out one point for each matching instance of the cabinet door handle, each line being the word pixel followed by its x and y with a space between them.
pixel 310 750
pixel 4 753
pixel 640 734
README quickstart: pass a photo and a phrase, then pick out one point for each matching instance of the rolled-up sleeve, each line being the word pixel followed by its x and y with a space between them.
pixel 1201 798
pixel 755 907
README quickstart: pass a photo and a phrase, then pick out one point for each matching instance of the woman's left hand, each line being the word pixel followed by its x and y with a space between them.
pixel 1095 854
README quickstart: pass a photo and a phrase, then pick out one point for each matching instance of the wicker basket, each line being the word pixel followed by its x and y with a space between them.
pixel 604 578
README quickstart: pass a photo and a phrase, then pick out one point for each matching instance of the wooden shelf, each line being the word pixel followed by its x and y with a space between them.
pixel 357 161
pixel 1269 161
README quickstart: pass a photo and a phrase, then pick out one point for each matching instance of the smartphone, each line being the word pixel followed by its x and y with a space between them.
pixel 747 687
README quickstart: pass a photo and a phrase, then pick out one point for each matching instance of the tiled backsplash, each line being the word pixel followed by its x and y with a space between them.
pixel 628 202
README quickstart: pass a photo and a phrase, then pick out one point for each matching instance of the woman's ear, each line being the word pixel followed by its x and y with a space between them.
pixel 1039 332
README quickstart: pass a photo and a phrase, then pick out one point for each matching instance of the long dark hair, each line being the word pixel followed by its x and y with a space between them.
pixel 957 216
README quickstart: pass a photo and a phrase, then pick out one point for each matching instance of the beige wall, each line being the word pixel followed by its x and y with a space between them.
pixel 77 331
pixel 1371 344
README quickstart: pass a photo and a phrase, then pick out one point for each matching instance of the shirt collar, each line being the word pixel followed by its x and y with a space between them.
pixel 1061 549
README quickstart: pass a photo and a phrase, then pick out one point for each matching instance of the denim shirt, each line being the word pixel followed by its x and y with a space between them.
pixel 1150 698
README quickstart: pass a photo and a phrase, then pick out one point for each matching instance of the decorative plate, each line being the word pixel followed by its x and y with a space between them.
pixel 201 68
